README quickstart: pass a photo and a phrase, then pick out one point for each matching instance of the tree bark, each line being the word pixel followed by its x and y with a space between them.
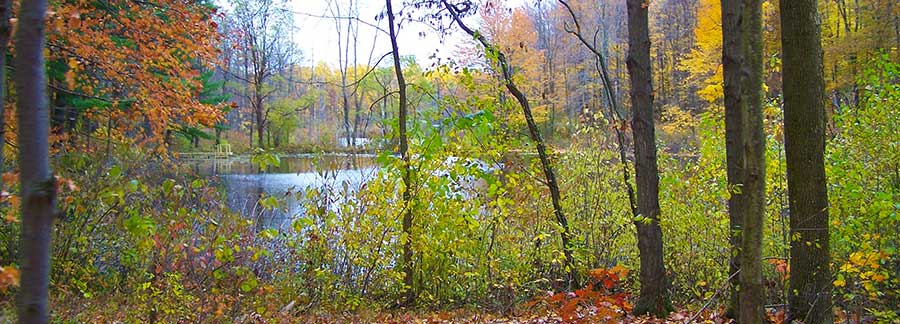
pixel 260 117
pixel 535 134
pixel 752 297
pixel 38 185
pixel 410 293
pixel 735 118
pixel 653 298
pixel 343 66
pixel 5 31
pixel 804 140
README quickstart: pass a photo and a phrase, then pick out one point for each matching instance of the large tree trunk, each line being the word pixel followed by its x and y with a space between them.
pixel 653 299
pixel 410 295
pixel 38 185
pixel 735 118
pixel 752 296
pixel 745 150
pixel 804 142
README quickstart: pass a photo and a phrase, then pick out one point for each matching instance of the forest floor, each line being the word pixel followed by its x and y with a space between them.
pixel 468 316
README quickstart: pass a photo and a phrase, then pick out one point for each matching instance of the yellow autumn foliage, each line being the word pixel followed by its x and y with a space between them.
pixel 704 61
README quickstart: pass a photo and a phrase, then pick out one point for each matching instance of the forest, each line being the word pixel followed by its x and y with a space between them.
pixel 450 161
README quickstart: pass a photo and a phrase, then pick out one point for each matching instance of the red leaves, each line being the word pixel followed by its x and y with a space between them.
pixel 599 301
pixel 568 310
pixel 776 316
pixel 608 283
pixel 609 277
pixel 782 267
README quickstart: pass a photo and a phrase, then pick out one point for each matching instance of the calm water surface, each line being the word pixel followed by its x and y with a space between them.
pixel 244 184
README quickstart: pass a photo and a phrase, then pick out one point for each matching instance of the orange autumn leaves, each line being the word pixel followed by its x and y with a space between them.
pixel 9 277
pixel 601 301
pixel 141 57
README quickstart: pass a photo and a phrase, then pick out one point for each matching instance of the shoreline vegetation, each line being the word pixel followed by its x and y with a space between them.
pixel 568 161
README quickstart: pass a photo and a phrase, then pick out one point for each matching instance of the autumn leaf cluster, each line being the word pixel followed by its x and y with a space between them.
pixel 141 58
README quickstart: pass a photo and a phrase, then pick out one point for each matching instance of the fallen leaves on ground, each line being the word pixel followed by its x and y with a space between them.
pixel 467 316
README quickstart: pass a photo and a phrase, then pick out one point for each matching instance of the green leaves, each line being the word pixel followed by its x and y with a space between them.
pixel 140 226
pixel 264 159
pixel 198 183
pixel 268 234
pixel 861 164
pixel 168 185
pixel 114 172
pixel 269 202
pixel 301 223
pixel 249 284
pixel 224 254
pixel 641 219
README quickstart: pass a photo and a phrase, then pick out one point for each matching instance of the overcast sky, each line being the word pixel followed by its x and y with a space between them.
pixel 317 36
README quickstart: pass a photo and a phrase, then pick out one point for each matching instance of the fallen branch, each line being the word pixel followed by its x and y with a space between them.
pixel 711 299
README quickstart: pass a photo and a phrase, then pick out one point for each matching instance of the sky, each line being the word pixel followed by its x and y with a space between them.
pixel 316 33
pixel 318 37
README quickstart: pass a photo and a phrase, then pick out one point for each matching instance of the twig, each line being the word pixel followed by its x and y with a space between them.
pixel 711 299
pixel 323 16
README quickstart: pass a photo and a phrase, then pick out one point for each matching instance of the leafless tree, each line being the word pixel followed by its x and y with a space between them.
pixel 264 50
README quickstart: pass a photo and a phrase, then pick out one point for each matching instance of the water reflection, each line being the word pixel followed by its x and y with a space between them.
pixel 244 184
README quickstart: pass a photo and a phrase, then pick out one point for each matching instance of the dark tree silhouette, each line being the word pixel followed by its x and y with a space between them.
pixel 653 299
pixel 804 144
pixel 745 149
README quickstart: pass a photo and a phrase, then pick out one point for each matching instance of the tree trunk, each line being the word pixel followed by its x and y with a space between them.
pixel 347 134
pixel 358 99
pixel 653 299
pixel 410 294
pixel 5 31
pixel 343 66
pixel 752 297
pixel 260 119
pixel 897 31
pixel 250 135
pixel 804 140
pixel 38 185
pixel 735 119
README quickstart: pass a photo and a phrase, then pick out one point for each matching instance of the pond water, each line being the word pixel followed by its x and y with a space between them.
pixel 244 183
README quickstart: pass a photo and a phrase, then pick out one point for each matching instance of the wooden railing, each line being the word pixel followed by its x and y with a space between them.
pixel 223 151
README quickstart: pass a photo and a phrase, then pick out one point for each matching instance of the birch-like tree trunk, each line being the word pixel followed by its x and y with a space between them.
pixel 38 185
